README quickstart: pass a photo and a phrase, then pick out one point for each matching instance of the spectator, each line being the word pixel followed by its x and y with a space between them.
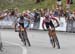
pixel 17 12
pixel 73 21
pixel 36 19
pixel 12 16
pixel 59 3
pixel 61 12
pixel 68 4
pixel 42 12
pixel 69 20
pixel 56 12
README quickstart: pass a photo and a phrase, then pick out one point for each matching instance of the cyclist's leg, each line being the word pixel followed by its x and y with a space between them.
pixel 52 42
pixel 56 39
pixel 51 38
pixel 26 38
pixel 20 36
pixel 57 42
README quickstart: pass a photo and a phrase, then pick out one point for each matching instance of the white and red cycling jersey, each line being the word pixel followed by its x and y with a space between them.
pixel 48 21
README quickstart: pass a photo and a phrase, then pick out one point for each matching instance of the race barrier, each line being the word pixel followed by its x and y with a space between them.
pixel 6 24
pixel 64 25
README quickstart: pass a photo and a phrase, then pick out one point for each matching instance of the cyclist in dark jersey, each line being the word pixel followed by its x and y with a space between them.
pixel 51 29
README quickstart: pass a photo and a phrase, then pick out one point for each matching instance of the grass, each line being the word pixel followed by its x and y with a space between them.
pixel 30 4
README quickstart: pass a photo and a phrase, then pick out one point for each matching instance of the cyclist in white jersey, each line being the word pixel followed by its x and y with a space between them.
pixel 22 24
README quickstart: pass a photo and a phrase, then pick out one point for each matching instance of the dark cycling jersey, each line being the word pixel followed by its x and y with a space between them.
pixel 49 24
pixel 22 24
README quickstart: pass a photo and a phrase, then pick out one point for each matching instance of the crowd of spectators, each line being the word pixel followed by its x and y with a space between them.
pixel 36 14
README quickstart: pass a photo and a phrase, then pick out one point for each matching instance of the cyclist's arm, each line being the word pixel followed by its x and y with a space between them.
pixel 27 19
pixel 56 21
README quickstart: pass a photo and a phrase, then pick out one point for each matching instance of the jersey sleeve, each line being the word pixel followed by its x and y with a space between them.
pixel 18 19
pixel 54 18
